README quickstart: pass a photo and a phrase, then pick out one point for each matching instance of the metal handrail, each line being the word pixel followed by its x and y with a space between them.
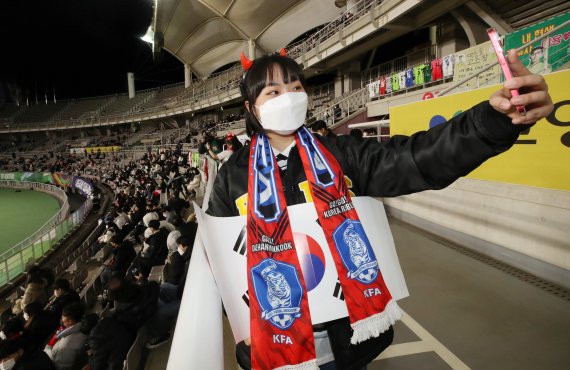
pixel 14 260
pixel 359 9
pixel 226 82
pixel 62 213
pixel 339 102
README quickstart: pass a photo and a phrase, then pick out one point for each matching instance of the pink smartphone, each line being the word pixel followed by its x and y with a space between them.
pixel 498 46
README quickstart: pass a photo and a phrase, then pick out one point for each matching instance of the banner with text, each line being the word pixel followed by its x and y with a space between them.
pixel 227 256
pixel 80 184
pixel 539 158
pixel 472 60
pixel 546 55
pixel 102 149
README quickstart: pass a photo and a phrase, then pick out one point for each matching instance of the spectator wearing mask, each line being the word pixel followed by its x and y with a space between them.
pixel 36 290
pixel 320 127
pixel 15 356
pixel 214 143
pixel 168 214
pixel 62 296
pixel 174 268
pixel 40 325
pixel 67 347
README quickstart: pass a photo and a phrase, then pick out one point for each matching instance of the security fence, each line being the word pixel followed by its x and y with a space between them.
pixel 14 261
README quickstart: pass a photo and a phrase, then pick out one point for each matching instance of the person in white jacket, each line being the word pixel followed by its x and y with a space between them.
pixel 67 347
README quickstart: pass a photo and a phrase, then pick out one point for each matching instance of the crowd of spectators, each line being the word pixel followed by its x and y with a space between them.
pixel 150 224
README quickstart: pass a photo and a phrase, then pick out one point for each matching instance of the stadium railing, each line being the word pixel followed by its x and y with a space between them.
pixel 14 261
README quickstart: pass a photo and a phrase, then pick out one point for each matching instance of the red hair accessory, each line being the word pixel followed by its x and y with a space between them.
pixel 245 62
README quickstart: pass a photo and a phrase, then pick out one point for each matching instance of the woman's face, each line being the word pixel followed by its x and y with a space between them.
pixel 274 87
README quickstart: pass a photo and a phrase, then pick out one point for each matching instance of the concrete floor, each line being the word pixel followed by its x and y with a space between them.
pixel 461 314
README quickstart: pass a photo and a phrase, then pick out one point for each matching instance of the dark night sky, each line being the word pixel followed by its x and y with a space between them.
pixel 79 47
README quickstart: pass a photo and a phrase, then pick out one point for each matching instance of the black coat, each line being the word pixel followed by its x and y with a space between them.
pixel 57 305
pixel 157 250
pixel 40 329
pixel 123 255
pixel 34 360
pixel 174 269
pixel 188 230
pixel 109 343
pixel 141 308
pixel 426 160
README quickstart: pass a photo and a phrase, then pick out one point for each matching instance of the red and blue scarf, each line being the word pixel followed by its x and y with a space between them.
pixel 281 329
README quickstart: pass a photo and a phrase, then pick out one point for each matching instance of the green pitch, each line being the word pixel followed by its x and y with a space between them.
pixel 23 213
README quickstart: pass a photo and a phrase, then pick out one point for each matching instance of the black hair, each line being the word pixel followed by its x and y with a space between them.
pixel 154 224
pixel 255 80
pixel 62 284
pixel 74 311
pixel 318 125
pixel 116 239
pixel 357 133
pixel 88 323
pixel 182 240
pixel 33 308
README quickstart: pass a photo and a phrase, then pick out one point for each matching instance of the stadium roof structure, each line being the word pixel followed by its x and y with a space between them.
pixel 208 34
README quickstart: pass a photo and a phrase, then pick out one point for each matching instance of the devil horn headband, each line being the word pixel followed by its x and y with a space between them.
pixel 246 63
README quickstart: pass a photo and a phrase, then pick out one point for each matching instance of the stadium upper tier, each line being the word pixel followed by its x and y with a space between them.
pixel 368 24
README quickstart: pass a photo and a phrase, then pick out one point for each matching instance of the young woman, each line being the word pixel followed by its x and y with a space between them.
pixel 286 165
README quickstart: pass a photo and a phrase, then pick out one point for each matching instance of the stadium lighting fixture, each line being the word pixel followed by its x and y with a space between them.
pixel 148 36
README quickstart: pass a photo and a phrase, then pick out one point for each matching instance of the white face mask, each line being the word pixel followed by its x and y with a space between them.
pixel 8 365
pixel 2 335
pixel 284 114
pixel 181 251
pixel 26 316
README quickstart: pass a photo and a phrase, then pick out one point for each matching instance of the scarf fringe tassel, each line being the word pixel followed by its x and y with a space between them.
pixel 377 324
pixel 307 365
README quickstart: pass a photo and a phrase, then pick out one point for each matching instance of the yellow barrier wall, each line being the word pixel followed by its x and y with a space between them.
pixel 540 158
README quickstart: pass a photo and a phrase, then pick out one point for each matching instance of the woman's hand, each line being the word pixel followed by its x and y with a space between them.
pixel 533 94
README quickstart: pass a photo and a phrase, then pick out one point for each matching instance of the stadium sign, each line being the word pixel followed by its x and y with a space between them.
pixel 82 185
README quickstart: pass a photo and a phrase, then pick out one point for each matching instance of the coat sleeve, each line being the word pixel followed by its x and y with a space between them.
pixel 219 204
pixel 431 159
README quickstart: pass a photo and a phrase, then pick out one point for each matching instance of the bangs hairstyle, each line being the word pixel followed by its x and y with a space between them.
pixel 257 77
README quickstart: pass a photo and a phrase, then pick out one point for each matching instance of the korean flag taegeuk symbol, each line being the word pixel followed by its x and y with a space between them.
pixel 356 252
pixel 278 291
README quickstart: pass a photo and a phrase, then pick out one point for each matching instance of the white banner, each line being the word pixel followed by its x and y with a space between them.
pixel 225 243
pixel 77 150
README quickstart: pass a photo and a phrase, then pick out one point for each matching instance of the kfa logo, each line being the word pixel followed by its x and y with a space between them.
pixel 278 291
pixel 355 251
